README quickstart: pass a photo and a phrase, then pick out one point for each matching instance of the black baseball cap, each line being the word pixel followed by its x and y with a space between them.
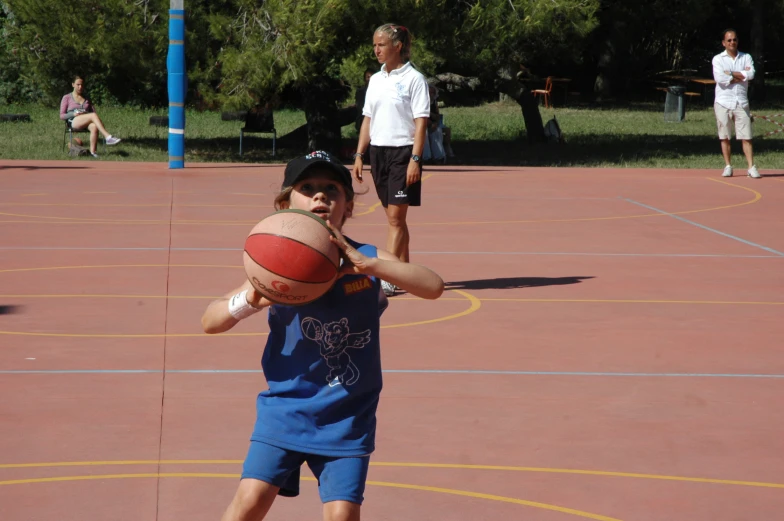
pixel 297 167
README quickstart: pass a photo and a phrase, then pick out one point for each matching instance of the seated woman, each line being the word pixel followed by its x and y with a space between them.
pixel 77 110
pixel 438 142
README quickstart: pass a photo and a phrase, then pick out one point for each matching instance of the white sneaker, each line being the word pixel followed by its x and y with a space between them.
pixel 93 154
pixel 388 288
pixel 727 171
pixel 753 172
pixel 111 140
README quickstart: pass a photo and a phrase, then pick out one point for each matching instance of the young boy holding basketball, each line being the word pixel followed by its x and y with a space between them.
pixel 322 360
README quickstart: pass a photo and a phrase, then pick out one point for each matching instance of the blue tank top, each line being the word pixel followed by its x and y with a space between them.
pixel 322 363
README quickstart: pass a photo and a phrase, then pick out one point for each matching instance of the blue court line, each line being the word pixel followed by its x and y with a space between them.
pixel 403 371
pixel 698 225
pixel 543 253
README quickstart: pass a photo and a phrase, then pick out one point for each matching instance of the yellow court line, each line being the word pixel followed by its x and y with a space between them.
pixel 465 493
pixel 474 305
pixel 493 497
pixel 458 466
pixel 125 335
pixel 757 197
pixel 377 205
pixel 370 210
pixel 547 470
pixel 475 301
pixel 161 205
pixel 70 220
pixel 102 220
pixel 120 266
pixel 629 301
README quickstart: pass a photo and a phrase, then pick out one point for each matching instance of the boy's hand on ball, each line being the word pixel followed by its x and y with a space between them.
pixel 256 299
pixel 353 261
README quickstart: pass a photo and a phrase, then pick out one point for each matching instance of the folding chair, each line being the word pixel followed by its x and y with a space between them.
pixel 70 132
pixel 546 92
pixel 261 122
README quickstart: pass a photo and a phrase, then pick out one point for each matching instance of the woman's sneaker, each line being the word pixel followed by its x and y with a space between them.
pixel 727 171
pixel 388 288
pixel 111 140
pixel 753 172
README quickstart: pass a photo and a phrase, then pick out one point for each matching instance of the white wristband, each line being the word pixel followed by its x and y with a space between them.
pixel 239 307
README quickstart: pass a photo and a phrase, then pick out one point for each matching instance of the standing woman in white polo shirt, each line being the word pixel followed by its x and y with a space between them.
pixel 392 136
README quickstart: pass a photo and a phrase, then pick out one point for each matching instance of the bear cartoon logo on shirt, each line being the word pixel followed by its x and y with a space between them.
pixel 334 339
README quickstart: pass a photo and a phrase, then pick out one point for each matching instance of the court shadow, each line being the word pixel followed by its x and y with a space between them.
pixel 9 309
pixel 514 282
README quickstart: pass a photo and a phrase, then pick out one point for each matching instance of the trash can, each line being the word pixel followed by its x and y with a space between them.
pixel 675 104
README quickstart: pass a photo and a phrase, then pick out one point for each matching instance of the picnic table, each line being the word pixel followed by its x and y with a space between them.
pixel 704 85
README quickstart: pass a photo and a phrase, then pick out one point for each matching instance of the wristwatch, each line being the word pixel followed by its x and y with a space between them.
pixel 415 158
pixel 358 155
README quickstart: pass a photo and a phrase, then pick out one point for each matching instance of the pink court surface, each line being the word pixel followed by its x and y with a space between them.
pixel 609 346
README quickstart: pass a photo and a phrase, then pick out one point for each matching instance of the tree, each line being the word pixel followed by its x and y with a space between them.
pixel 275 45
pixel 120 46
pixel 502 41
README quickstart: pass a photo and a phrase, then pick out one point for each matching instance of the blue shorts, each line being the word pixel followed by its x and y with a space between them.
pixel 339 478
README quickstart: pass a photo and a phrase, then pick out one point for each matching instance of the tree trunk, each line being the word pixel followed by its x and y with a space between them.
pixel 519 91
pixel 534 128
pixel 321 114
pixel 757 47
pixel 602 85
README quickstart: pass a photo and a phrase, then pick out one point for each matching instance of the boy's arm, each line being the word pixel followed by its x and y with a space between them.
pixel 243 301
pixel 413 278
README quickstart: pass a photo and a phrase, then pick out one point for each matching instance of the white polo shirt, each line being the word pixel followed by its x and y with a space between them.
pixel 732 95
pixel 392 103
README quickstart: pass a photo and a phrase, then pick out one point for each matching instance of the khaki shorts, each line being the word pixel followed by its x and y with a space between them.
pixel 725 118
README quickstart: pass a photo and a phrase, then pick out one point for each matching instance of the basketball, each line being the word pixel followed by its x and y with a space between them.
pixel 290 259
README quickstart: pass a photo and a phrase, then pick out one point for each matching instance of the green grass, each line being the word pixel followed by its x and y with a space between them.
pixel 208 138
pixel 633 135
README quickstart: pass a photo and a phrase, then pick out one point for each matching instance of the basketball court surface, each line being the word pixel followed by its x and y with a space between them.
pixel 609 346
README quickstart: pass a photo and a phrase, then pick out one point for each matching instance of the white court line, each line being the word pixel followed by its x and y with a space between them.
pixel 698 225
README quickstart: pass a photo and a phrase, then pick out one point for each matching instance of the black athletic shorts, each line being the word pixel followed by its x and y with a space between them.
pixel 389 166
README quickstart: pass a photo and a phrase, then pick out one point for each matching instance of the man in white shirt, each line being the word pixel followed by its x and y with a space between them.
pixel 732 71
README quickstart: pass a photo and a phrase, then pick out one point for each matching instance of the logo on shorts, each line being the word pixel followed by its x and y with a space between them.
pixel 400 194
pixel 281 286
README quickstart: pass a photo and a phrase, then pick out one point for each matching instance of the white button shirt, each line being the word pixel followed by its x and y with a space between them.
pixel 393 100
pixel 732 95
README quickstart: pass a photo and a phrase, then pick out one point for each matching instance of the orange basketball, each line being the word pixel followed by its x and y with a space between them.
pixel 290 259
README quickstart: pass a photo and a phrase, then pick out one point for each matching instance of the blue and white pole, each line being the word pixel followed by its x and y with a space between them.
pixel 177 79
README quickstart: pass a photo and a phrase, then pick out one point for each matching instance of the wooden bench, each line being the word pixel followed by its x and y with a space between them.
pixel 15 117
pixel 159 121
pixel 689 94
